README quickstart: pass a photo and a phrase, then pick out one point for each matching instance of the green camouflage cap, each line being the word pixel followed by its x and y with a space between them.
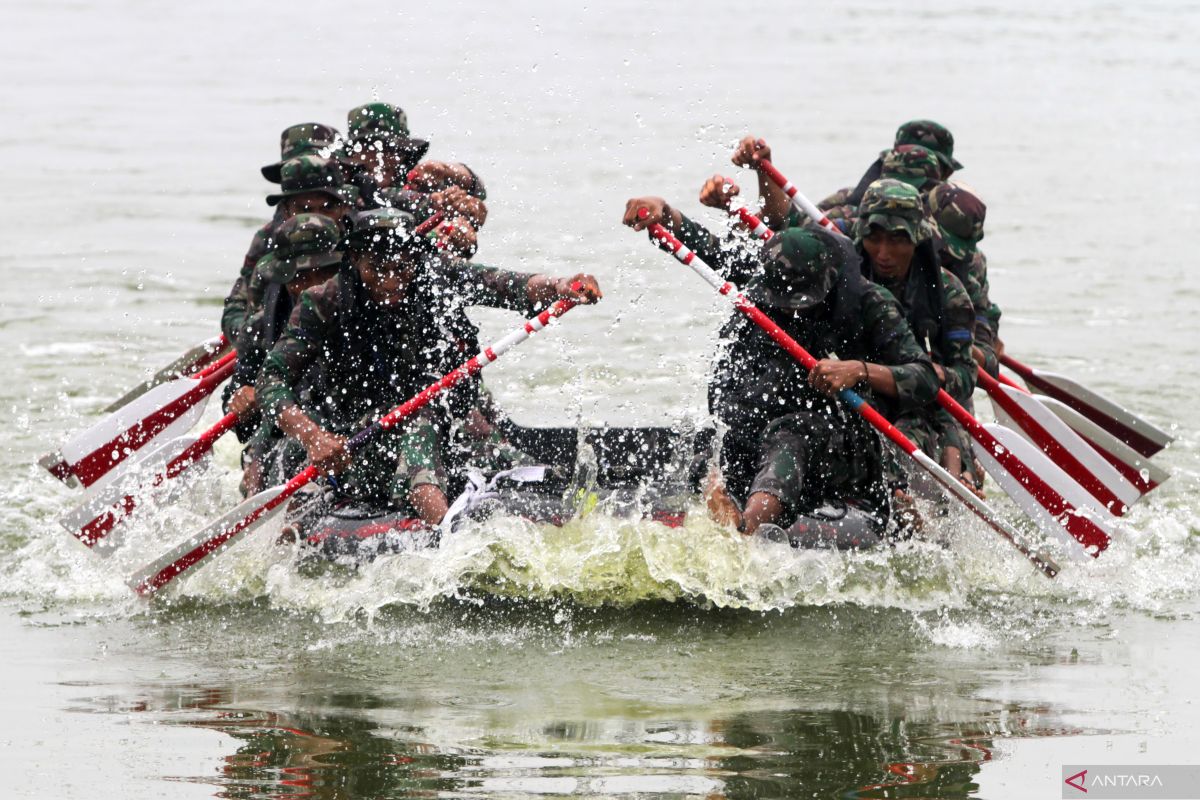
pixel 894 206
pixel 304 242
pixel 800 271
pixel 388 227
pixel 311 174
pixel 931 136
pixel 307 139
pixel 959 215
pixel 377 121
pixel 914 165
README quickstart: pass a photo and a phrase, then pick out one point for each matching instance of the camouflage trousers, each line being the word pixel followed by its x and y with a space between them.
pixel 389 468
pixel 932 430
pixel 807 459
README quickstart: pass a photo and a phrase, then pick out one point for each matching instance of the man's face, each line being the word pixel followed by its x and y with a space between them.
pixel 316 203
pixel 891 252
pixel 383 165
pixel 386 273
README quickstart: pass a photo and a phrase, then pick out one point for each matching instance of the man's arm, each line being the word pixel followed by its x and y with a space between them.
pixel 958 368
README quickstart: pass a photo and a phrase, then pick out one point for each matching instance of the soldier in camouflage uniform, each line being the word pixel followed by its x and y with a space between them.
pixel 308 184
pixel 776 207
pixel 790 447
pixel 305 255
pixel 894 237
pixel 959 214
pixel 387 174
pixel 388 324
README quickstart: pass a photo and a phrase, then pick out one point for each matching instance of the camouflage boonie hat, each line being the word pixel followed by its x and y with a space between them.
pixel 308 139
pixel 800 271
pixel 932 137
pixel 382 127
pixel 894 206
pixel 304 242
pixel 914 165
pixel 312 174
pixel 390 227
pixel 959 215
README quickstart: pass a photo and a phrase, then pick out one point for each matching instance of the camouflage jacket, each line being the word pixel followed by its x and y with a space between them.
pixel 755 381
pixel 372 358
pixel 973 274
pixel 242 300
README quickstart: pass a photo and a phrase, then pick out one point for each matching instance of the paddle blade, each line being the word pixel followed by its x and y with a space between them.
pixel 937 474
pixel 1138 470
pixel 1041 427
pixel 1139 434
pixel 1069 518
pixel 189 363
pixel 213 538
pixel 165 412
pixel 97 521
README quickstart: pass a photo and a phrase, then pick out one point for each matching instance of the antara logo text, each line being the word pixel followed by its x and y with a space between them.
pixel 1079 781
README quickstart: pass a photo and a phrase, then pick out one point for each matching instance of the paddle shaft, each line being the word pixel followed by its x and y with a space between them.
pixel 189 363
pixel 166 574
pixel 672 245
pixel 798 199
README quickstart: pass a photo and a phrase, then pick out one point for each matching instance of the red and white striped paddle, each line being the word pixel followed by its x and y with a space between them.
pixel 980 508
pixel 1133 466
pixel 254 511
pixel 164 412
pixel 1139 434
pixel 1047 494
pixel 189 363
pixel 95 521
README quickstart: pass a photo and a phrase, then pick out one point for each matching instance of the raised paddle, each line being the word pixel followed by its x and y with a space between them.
pixel 254 511
pixel 168 410
pixel 1139 434
pixel 1133 466
pixel 98 517
pixel 1108 490
pixel 980 508
pixel 189 363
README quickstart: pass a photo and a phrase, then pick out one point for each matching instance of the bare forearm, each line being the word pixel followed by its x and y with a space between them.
pixel 775 203
pixel 881 380
pixel 430 503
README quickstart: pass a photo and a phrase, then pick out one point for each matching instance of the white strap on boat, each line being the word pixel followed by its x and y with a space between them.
pixel 480 489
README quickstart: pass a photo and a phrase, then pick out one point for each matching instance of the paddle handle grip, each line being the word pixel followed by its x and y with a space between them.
pixel 797 197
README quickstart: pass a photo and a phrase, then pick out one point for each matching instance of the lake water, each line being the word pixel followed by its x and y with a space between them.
pixel 607 658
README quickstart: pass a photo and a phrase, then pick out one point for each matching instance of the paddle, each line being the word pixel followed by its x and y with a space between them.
pixel 1139 434
pixel 167 410
pixel 254 511
pixel 99 515
pixel 672 245
pixel 189 363
pixel 1047 493
pixel 1135 468
pixel 1023 412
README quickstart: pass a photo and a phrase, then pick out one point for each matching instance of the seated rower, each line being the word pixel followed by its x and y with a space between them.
pixel 388 324
pixel 894 239
pixel 309 184
pixel 306 254
pixel 959 214
pixel 382 155
pixel 790 447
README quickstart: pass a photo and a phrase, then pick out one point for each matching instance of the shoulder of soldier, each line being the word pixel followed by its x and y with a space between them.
pixel 838 198
pixel 321 302
pixel 881 306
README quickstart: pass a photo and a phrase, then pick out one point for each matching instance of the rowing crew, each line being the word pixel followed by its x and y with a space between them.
pixel 353 297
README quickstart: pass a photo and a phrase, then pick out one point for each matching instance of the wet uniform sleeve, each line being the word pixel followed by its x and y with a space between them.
pixel 483 285
pixel 732 259
pixel 985 338
pixel 240 300
pixel 897 348
pixel 297 349
pixel 958 322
